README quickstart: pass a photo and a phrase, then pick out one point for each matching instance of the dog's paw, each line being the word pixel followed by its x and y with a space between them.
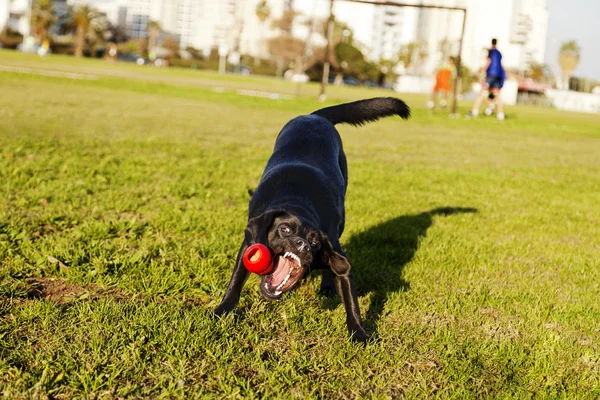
pixel 221 310
pixel 359 335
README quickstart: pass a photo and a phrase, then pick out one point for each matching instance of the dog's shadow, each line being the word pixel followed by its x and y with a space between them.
pixel 379 255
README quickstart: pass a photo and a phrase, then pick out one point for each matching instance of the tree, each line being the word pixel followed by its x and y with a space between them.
pixel 538 72
pixel 43 16
pixel 345 57
pixel 88 23
pixel 411 54
pixel 286 22
pixel 285 47
pixel 153 29
pixel 171 45
pixel 353 62
pixel 341 59
pixel 568 58
pixel 263 12
pixel 10 38
pixel 341 31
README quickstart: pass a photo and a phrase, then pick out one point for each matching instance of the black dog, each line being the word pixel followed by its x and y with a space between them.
pixel 297 210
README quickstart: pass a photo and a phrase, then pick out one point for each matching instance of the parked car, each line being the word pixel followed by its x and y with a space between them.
pixel 351 81
pixel 347 80
pixel 131 57
pixel 240 69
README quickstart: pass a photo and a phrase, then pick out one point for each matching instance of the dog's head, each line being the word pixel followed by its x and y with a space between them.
pixel 297 247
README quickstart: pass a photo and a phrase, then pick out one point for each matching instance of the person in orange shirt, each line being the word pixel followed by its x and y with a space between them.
pixel 443 83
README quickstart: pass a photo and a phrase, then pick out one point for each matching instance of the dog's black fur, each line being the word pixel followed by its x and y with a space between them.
pixel 298 207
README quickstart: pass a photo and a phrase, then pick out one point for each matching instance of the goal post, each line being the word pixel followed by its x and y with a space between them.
pixel 457 78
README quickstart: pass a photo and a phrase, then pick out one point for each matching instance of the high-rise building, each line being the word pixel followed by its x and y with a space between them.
pixel 393 27
pixel 380 31
pixel 197 23
pixel 15 14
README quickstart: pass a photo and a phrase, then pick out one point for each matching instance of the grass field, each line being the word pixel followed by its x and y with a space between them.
pixel 123 198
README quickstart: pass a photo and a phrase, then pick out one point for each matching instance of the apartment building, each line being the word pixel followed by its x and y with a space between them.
pixel 519 25
pixel 15 14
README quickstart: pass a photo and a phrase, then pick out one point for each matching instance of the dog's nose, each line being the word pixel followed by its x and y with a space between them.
pixel 302 245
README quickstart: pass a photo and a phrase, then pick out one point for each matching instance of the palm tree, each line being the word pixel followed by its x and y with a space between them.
pixel 539 72
pixel 263 12
pixel 88 22
pixel 153 28
pixel 569 59
pixel 42 18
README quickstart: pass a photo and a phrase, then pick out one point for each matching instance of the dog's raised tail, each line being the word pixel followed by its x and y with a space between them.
pixel 360 112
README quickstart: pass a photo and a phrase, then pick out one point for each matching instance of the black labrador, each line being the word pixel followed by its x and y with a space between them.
pixel 297 210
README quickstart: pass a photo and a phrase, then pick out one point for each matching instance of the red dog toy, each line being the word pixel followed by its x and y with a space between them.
pixel 257 259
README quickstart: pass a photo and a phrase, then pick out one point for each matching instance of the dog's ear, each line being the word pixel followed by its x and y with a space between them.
pixel 258 228
pixel 337 261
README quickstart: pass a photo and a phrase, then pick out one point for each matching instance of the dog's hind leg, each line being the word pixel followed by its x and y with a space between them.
pixel 327 284
pixel 234 290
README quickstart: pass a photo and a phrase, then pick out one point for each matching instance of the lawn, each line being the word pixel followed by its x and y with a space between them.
pixel 123 199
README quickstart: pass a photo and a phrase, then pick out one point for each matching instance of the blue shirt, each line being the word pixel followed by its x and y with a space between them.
pixel 495 68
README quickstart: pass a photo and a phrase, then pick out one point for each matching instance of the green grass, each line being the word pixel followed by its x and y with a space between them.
pixel 123 201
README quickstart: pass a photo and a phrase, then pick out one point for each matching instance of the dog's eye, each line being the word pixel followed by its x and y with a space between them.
pixel 314 243
pixel 285 229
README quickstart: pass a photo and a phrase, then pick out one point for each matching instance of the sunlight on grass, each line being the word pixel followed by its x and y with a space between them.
pixel 123 201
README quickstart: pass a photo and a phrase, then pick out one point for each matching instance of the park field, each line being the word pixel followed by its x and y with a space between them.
pixel 123 199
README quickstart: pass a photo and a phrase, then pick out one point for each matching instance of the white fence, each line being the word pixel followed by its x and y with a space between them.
pixel 560 99
pixel 574 101
pixel 421 84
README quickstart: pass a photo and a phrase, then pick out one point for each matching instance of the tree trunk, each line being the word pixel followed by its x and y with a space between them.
pixel 151 42
pixel 261 45
pixel 79 41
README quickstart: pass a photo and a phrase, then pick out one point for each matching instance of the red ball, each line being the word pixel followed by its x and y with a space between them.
pixel 257 259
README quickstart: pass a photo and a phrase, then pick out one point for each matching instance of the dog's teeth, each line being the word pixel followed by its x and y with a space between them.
pixel 284 281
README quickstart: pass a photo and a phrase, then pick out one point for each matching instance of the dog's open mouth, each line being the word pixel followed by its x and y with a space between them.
pixel 286 273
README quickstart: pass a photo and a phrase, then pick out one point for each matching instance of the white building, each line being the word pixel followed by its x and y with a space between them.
pixel 15 14
pixel 519 25
pixel 255 33
pixel 217 24
pixel 202 24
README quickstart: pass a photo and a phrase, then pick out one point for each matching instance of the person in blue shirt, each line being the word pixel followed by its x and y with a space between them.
pixel 494 80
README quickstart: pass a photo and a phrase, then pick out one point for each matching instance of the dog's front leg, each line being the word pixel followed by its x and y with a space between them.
pixel 347 291
pixel 234 290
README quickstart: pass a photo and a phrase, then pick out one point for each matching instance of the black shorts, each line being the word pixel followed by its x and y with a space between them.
pixel 494 82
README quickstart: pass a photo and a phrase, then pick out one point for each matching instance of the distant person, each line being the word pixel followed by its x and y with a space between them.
pixel 44 48
pixel 443 83
pixel 112 51
pixel 494 80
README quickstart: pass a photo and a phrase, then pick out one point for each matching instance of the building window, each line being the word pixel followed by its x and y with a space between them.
pixel 138 26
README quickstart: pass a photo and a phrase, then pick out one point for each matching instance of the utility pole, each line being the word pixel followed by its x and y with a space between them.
pixel 301 61
pixel 457 81
pixel 325 78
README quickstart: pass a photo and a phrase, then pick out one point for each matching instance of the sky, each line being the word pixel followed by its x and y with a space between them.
pixel 577 20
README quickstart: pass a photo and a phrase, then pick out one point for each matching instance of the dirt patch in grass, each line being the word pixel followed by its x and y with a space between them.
pixel 60 291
